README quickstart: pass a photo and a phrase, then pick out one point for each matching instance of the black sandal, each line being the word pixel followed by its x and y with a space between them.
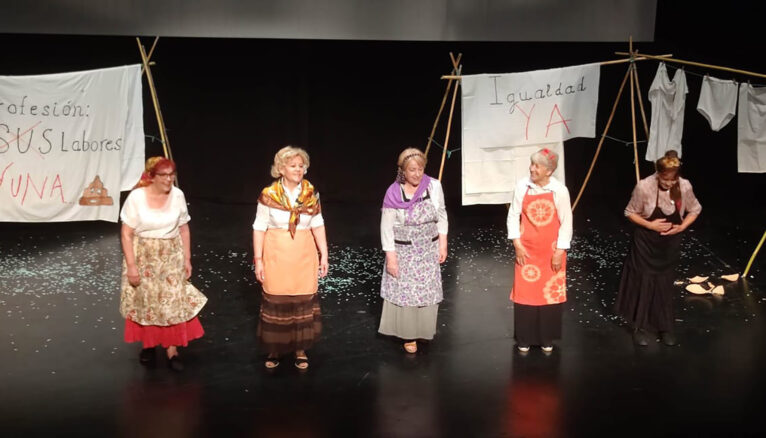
pixel 271 363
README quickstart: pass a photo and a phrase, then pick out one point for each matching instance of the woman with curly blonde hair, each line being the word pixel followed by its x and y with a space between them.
pixel 290 251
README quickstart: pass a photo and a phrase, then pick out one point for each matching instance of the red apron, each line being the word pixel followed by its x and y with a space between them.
pixel 535 283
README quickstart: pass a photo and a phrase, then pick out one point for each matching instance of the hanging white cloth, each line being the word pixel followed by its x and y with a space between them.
pixel 718 101
pixel 751 129
pixel 668 100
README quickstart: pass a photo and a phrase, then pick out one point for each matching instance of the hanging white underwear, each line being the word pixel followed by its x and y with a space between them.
pixel 718 101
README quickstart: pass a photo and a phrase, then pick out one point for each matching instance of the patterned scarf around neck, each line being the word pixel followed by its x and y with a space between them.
pixel 275 196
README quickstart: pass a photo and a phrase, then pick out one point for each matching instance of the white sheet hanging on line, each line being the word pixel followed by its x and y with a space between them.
pixel 69 142
pixel 668 100
pixel 493 181
pixel 506 117
pixel 718 101
pixel 751 129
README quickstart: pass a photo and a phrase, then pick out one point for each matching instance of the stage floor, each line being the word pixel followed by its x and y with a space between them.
pixel 65 370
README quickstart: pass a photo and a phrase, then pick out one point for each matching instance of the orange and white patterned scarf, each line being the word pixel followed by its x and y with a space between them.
pixel 274 196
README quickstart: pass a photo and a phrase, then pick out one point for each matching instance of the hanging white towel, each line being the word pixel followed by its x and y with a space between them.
pixel 718 101
pixel 668 100
pixel 751 129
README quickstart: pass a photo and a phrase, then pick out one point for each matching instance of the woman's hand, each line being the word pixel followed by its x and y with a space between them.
pixel 521 252
pixel 558 259
pixel 674 229
pixel 259 270
pixel 392 264
pixel 323 266
pixel 188 269
pixel 133 278
pixel 442 248
pixel 659 225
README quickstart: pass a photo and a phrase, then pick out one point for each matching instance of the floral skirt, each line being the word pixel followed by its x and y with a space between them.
pixel 164 297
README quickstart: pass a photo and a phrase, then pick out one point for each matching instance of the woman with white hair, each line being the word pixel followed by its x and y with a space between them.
pixel 540 226
pixel 413 233
pixel 287 234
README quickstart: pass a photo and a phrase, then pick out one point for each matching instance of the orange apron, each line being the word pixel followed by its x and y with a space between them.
pixel 291 265
pixel 535 283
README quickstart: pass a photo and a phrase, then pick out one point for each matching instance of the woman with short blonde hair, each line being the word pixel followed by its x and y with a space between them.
pixel 287 233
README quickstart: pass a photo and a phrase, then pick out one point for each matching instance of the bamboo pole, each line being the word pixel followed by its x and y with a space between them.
pixel 151 52
pixel 449 126
pixel 616 61
pixel 455 63
pixel 752 257
pixel 633 115
pixel 155 101
pixel 601 141
pixel 699 64
pixel 640 100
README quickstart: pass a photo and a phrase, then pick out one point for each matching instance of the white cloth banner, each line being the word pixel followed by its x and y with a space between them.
pixel 507 117
pixel 69 142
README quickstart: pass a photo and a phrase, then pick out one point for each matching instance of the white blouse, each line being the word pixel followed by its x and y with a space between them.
pixel 266 217
pixel 155 223
pixel 391 217
pixel 560 200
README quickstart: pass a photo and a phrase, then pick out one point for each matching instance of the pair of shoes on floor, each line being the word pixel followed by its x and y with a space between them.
pixel 411 347
pixel 699 289
pixel 522 348
pixel 668 338
pixel 547 348
pixel 175 364
pixel 147 356
pixel 640 337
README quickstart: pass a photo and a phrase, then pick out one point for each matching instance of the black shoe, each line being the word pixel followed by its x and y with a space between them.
pixel 175 364
pixel 668 338
pixel 147 356
pixel 639 337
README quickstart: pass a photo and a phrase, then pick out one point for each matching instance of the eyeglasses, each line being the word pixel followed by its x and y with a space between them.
pixel 166 175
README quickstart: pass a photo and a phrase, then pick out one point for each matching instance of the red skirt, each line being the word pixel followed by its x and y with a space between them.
pixel 177 335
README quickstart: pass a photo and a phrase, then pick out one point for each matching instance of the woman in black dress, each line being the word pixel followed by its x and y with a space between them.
pixel 662 206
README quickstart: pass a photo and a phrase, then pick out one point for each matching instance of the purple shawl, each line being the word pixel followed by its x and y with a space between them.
pixel 393 198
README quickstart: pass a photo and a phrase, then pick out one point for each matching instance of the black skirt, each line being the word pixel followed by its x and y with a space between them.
pixel 645 297
pixel 537 325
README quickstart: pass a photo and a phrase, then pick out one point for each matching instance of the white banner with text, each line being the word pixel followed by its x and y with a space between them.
pixel 505 116
pixel 69 143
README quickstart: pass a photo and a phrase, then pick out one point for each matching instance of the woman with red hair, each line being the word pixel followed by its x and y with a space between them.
pixel 159 304
pixel 662 206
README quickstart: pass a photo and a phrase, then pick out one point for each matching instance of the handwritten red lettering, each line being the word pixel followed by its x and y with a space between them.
pixel 57 185
pixel 561 120
pixel 2 176
pixel 31 182
pixel 528 116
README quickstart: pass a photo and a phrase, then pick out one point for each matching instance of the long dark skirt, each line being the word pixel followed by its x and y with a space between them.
pixel 288 323
pixel 537 325
pixel 645 297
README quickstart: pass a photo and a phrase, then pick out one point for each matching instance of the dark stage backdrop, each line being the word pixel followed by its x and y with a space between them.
pixel 229 104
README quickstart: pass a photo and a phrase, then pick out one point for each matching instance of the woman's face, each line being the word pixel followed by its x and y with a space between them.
pixel 668 179
pixel 293 170
pixel 539 174
pixel 413 173
pixel 163 179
